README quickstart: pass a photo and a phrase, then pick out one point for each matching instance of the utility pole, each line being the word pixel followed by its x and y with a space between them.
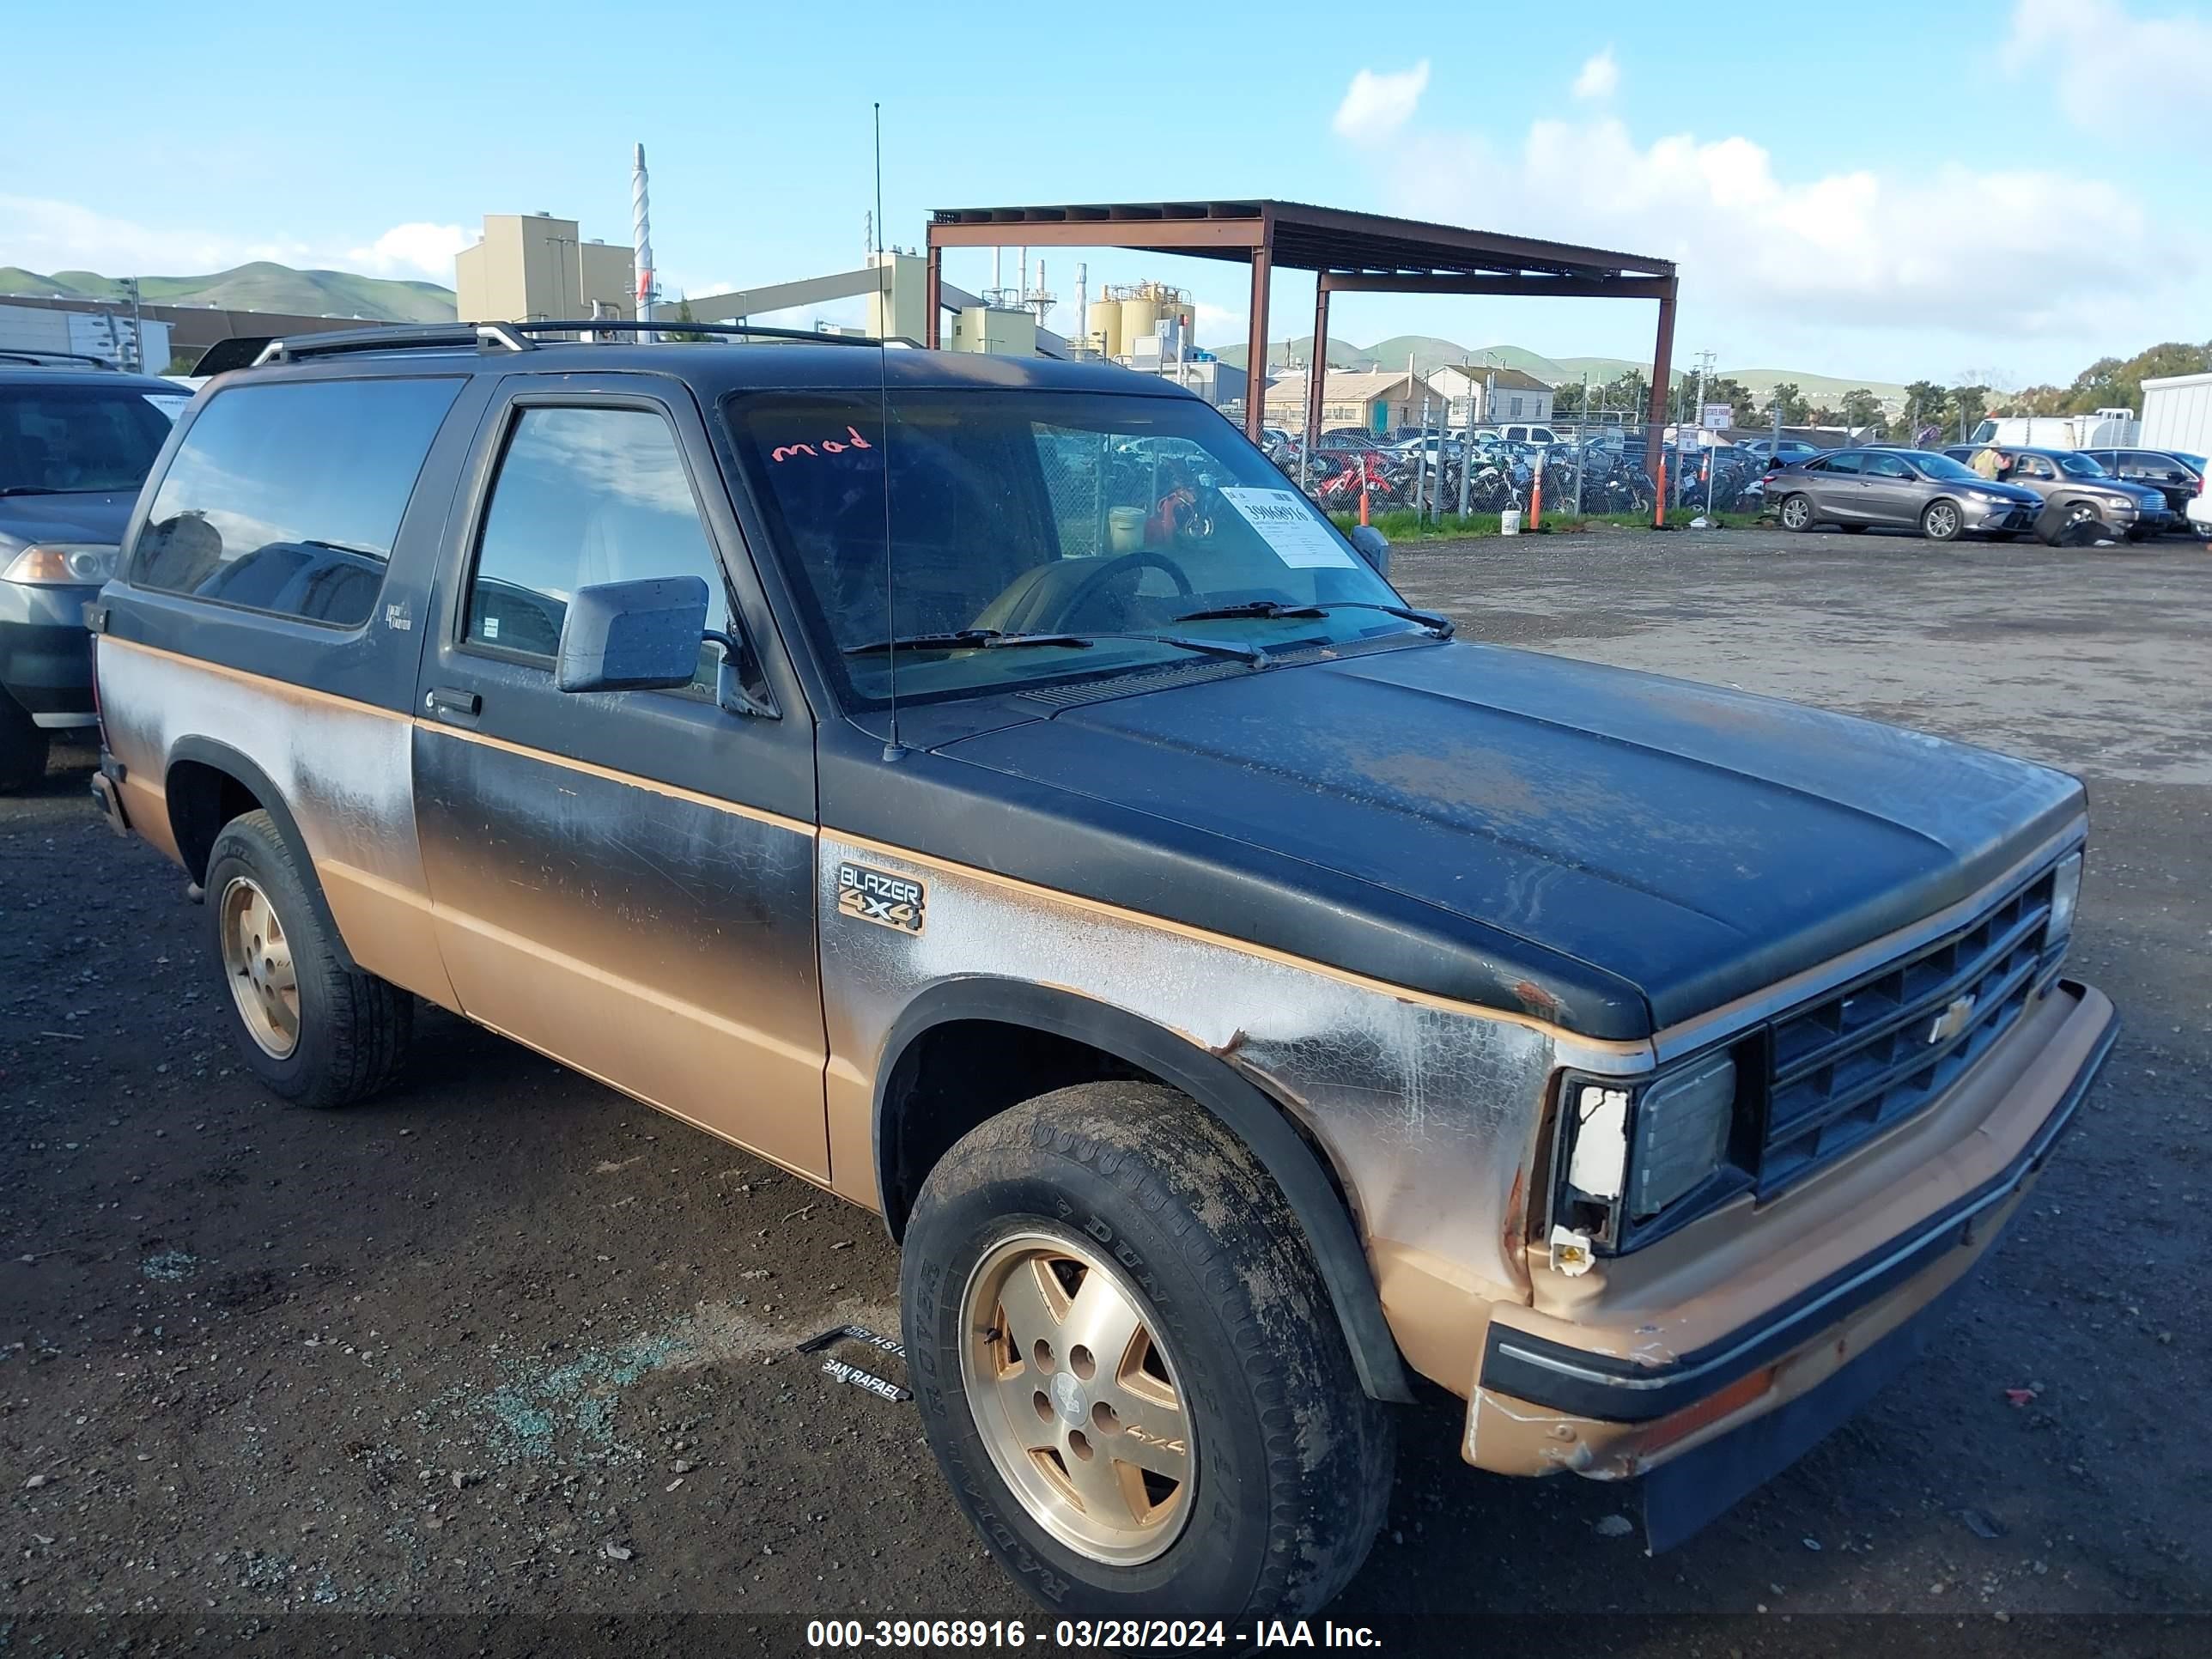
pixel 135 355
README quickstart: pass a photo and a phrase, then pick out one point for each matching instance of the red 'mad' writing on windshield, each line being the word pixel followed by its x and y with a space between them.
pixel 852 439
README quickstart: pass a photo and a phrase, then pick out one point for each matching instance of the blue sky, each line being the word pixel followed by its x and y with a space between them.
pixel 2007 188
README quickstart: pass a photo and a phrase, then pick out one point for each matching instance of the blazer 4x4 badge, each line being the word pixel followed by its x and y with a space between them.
pixel 878 896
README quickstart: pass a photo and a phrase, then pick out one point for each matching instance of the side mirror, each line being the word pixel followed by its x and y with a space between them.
pixel 1372 545
pixel 632 636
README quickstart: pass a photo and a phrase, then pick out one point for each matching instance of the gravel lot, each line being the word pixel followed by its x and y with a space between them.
pixel 504 1342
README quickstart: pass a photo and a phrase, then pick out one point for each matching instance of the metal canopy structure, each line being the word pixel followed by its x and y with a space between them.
pixel 1350 253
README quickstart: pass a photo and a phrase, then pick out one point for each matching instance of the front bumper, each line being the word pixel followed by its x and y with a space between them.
pixel 46 654
pixel 1744 1398
pixel 1999 515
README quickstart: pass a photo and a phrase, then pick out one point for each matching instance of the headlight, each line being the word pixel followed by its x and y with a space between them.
pixel 1986 496
pixel 2065 895
pixel 1633 1149
pixel 64 564
pixel 1682 1126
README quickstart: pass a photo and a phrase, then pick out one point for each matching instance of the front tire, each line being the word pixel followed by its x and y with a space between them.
pixel 1941 521
pixel 312 1029
pixel 22 748
pixel 1129 1369
pixel 1798 513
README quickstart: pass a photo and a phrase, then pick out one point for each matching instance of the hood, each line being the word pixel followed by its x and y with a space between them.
pixel 98 516
pixel 1694 842
pixel 2011 492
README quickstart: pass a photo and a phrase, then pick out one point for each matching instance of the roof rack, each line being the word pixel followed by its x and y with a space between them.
pixel 425 336
pixel 38 359
pixel 742 331
pixel 519 336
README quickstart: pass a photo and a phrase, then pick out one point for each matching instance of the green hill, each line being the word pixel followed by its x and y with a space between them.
pixel 261 286
pixel 1430 353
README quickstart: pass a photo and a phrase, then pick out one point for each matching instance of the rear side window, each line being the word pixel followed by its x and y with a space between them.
pixel 286 498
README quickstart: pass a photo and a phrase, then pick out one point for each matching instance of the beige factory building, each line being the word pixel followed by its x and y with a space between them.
pixel 532 267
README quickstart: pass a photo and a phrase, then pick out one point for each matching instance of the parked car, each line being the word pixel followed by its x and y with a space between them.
pixel 1521 432
pixel 1905 489
pixel 2200 505
pixel 1786 452
pixel 1237 996
pixel 2067 478
pixel 1347 437
pixel 2176 477
pixel 77 439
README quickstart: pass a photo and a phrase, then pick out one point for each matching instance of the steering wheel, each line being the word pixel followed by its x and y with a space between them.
pixel 1092 585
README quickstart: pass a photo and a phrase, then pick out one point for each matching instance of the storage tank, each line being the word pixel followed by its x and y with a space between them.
pixel 1140 313
pixel 1104 326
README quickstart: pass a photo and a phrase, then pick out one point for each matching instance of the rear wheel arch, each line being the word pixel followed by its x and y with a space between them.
pixel 209 784
pixel 1073 1039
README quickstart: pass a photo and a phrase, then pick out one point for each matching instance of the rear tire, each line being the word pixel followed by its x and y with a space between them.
pixel 1278 1465
pixel 1941 521
pixel 22 748
pixel 312 1029
pixel 1796 513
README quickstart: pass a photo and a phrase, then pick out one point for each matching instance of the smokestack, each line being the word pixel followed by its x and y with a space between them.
pixel 641 231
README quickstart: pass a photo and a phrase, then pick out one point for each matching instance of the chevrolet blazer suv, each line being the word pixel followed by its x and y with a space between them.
pixel 982 788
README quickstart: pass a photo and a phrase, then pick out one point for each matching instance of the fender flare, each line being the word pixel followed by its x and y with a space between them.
pixel 1239 1105
pixel 222 757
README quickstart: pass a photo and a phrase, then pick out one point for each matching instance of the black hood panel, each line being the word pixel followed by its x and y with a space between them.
pixel 69 516
pixel 1695 842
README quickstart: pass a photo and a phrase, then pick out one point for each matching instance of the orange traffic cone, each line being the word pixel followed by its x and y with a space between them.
pixel 1659 501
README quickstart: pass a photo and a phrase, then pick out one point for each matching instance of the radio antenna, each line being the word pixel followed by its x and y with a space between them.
pixel 891 750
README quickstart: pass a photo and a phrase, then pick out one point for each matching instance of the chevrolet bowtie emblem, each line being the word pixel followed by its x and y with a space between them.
pixel 1952 1021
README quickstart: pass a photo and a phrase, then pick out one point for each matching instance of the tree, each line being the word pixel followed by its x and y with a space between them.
pixel 1788 402
pixel 2114 383
pixel 1860 408
pixel 689 337
pixel 1965 408
pixel 1924 404
pixel 1743 408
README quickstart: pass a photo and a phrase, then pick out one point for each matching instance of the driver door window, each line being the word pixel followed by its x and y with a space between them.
pixel 584 495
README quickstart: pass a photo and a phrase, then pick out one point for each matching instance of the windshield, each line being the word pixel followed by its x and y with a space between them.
pixel 61 439
pixel 2078 467
pixel 1019 513
pixel 1943 467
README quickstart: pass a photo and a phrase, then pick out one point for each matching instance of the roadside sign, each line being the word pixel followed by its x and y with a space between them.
pixel 1717 417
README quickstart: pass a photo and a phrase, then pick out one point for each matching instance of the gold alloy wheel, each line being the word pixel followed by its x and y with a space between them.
pixel 257 960
pixel 1077 1400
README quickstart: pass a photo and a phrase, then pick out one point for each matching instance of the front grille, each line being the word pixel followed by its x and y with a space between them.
pixel 1867 1057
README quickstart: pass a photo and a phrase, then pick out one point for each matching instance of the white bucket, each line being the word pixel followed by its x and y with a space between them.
pixel 1124 528
pixel 1509 522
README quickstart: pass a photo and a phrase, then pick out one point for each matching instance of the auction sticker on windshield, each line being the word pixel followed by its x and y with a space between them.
pixel 1289 526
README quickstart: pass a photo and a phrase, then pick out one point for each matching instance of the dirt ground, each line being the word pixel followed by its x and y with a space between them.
pixel 503 1342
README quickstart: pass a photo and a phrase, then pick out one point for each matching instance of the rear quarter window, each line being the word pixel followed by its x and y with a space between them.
pixel 285 498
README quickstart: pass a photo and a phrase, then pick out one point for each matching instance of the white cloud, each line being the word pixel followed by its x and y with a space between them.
pixel 45 235
pixel 2109 68
pixel 1376 105
pixel 1219 323
pixel 418 249
pixel 2013 253
pixel 1599 76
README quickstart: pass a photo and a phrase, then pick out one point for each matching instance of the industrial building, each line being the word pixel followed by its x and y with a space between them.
pixel 1374 400
pixel 532 267
pixel 1480 394
pixel 111 334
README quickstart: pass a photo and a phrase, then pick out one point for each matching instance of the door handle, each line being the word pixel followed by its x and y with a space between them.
pixel 453 705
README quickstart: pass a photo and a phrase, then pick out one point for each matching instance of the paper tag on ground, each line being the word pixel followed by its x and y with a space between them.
pixel 1289 526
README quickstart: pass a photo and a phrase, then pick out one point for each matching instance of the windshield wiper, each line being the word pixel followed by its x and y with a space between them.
pixel 990 639
pixel 962 639
pixel 1441 627
pixel 30 490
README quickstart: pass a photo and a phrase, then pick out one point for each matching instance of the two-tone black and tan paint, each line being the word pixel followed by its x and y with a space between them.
pixel 1390 893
